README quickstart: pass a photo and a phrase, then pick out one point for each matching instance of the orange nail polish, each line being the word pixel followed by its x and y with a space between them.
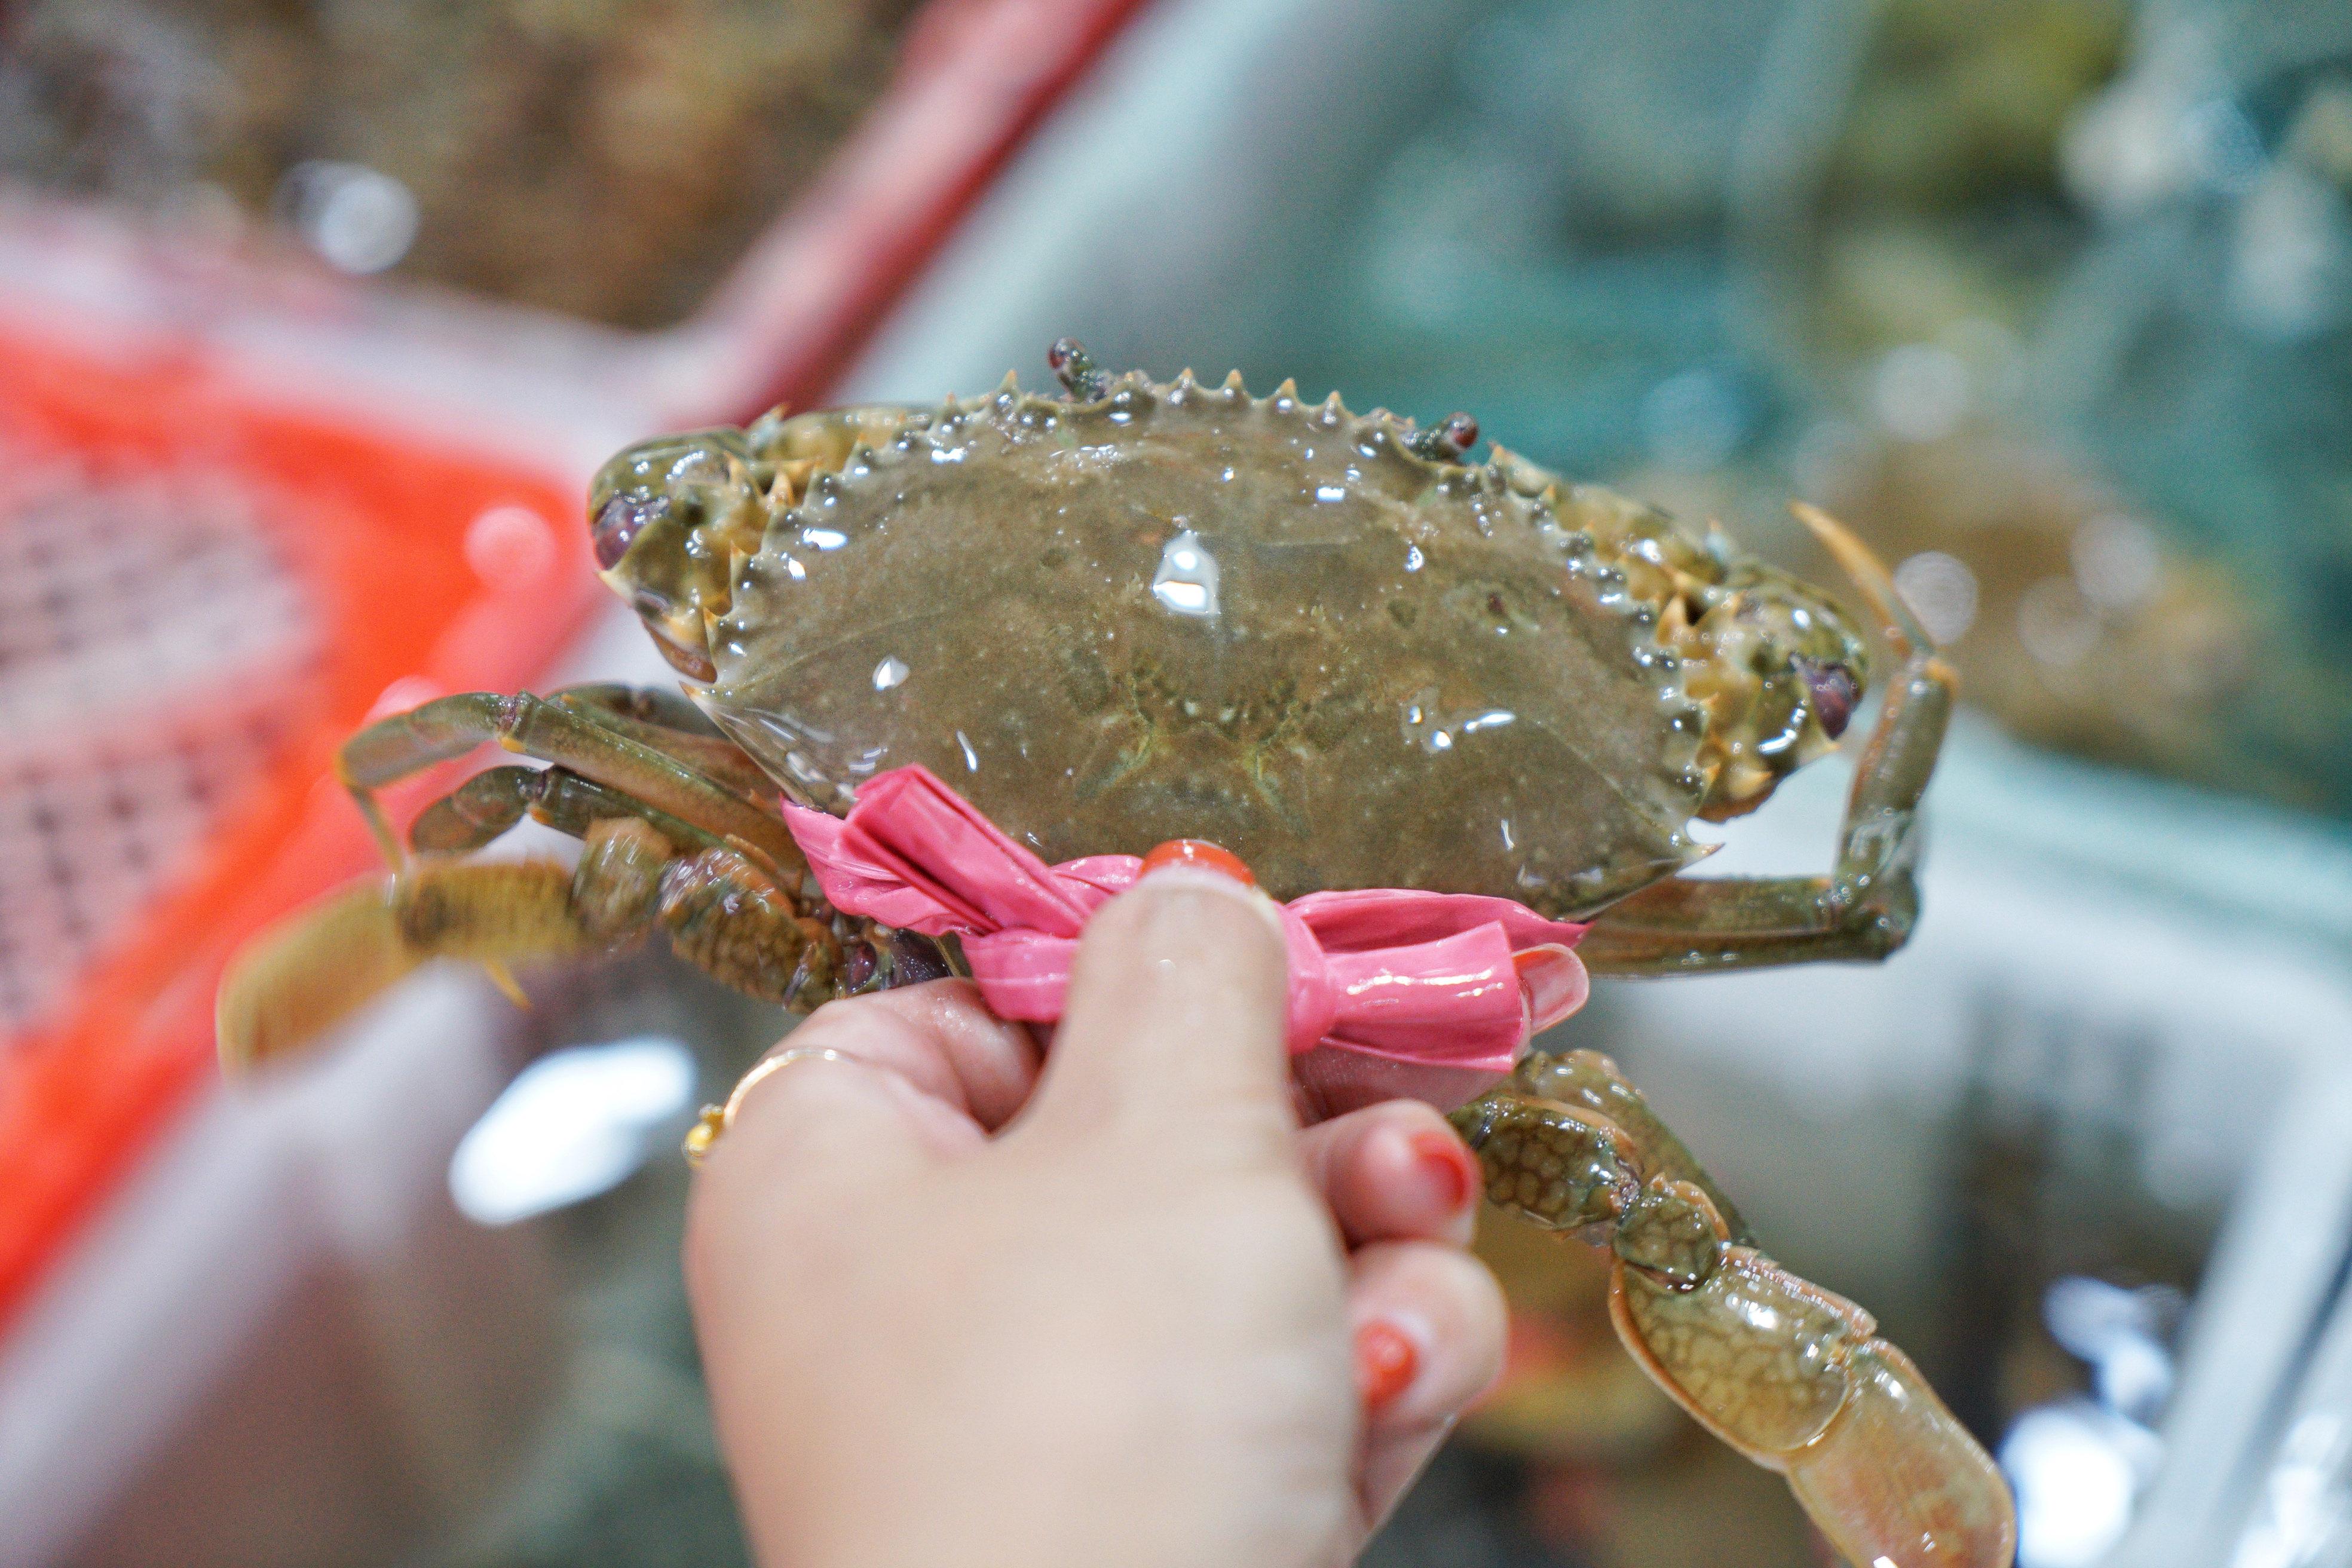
pixel 1199 852
pixel 1386 1362
pixel 1451 1167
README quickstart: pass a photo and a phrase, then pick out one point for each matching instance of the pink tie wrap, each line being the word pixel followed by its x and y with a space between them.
pixel 1453 980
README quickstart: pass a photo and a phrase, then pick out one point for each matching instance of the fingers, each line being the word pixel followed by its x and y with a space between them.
pixel 1175 1010
pixel 811 1115
pixel 1425 1318
pixel 1393 1172
pixel 941 1037
pixel 898 1076
pixel 1427 1323
pixel 811 1130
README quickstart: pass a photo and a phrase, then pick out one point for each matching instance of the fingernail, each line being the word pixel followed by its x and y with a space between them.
pixel 1386 1362
pixel 1554 981
pixel 1450 1169
pixel 1201 852
pixel 1173 875
pixel 1185 876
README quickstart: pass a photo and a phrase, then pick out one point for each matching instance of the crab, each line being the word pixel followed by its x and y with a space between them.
pixel 1330 644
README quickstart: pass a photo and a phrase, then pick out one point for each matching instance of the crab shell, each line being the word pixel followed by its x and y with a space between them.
pixel 1180 611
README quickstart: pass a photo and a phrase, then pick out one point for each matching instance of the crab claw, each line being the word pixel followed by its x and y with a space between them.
pixel 1795 1378
pixel 1895 1480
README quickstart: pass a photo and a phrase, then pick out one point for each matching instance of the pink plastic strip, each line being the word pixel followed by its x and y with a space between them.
pixel 1444 979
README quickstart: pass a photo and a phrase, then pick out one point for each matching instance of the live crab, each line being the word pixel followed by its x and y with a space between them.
pixel 1328 643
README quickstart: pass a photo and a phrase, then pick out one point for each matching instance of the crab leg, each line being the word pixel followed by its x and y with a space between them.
pixel 448 727
pixel 1588 1082
pixel 495 799
pixel 1865 908
pixel 1788 1374
pixel 722 913
pixel 646 704
pixel 671 724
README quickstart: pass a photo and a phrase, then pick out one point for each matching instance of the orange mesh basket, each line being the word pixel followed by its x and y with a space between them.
pixel 425 570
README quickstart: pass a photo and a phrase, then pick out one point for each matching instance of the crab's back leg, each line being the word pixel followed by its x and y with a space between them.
pixel 722 911
pixel 301 977
pixel 1866 907
pixel 394 748
pixel 641 868
pixel 1790 1375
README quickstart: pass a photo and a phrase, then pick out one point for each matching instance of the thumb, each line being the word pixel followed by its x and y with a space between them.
pixel 1176 1007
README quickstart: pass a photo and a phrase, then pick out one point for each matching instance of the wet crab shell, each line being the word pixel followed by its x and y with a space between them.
pixel 1182 611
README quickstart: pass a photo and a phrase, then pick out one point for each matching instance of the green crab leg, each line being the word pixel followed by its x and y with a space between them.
pixel 671 724
pixel 1866 907
pixel 1792 1375
pixel 646 704
pixel 1589 1081
pixel 302 976
pixel 448 727
pixel 495 799
pixel 722 913
pixel 725 914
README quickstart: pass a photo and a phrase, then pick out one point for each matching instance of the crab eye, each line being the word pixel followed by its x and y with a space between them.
pixel 618 523
pixel 1834 693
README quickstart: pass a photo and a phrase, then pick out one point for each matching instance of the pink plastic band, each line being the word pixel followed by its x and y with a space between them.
pixel 1450 980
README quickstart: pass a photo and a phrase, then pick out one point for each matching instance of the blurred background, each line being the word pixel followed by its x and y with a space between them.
pixel 315 317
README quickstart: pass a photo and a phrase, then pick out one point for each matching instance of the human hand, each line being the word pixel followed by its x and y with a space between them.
pixel 959 1309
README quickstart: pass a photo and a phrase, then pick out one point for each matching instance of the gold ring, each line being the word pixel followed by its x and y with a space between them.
pixel 717 1118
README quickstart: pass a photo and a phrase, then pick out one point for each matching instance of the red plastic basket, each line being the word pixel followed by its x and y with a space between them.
pixel 384 528
pixel 376 530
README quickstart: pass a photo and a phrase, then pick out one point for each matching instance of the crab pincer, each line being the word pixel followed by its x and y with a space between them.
pixel 1796 1378
pixel 1790 1375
